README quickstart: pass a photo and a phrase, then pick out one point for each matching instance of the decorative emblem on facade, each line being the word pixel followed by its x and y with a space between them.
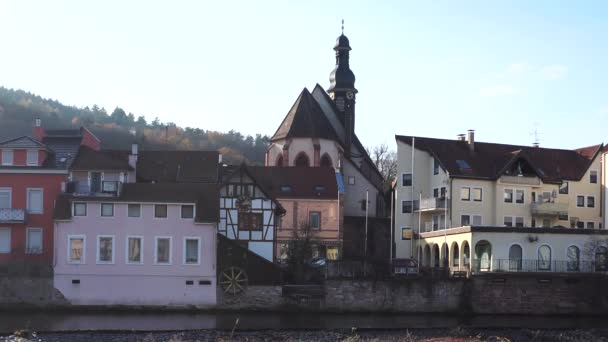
pixel 243 204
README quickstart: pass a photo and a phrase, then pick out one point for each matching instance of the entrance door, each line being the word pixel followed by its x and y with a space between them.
pixel 95 181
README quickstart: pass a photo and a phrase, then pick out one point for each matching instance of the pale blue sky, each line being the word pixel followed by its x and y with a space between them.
pixel 427 68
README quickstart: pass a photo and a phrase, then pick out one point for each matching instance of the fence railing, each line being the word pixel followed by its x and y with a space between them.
pixel 354 269
pixel 527 265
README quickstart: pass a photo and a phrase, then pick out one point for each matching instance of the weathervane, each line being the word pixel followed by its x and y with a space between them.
pixel 342 26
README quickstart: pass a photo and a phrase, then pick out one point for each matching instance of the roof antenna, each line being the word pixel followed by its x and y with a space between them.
pixel 342 26
pixel 536 134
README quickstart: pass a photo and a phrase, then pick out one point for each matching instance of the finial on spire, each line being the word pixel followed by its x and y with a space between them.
pixel 342 26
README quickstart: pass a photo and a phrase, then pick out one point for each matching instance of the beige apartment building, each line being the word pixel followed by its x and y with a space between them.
pixel 498 202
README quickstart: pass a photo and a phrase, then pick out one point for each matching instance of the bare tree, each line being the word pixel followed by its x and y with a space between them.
pixel 385 160
pixel 299 251
pixel 596 251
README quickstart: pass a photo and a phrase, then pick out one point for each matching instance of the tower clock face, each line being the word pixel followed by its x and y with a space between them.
pixel 350 95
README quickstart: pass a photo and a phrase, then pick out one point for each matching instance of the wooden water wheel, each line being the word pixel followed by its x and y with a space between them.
pixel 233 280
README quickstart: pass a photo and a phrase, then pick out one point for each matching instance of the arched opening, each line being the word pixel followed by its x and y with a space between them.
pixel 601 259
pixel 279 161
pixel 544 258
pixel 455 256
pixel 483 254
pixel 302 159
pixel 466 255
pixel 426 257
pixel 326 161
pixel 435 256
pixel 515 253
pixel 573 255
pixel 444 255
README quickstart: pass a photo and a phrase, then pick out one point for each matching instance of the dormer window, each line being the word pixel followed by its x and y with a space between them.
pixel 319 188
pixel 32 157
pixel 285 188
pixel 7 157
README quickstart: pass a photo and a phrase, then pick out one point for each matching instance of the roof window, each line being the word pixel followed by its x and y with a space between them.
pixel 285 188
pixel 463 165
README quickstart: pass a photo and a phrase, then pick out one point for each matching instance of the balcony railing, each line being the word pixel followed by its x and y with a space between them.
pixel 430 226
pixel 520 180
pixel 549 208
pixel 104 189
pixel 11 215
pixel 527 265
pixel 434 204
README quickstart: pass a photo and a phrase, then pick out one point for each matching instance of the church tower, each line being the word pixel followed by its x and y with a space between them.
pixel 342 88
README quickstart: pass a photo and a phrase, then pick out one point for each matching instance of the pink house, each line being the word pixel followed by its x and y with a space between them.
pixel 122 242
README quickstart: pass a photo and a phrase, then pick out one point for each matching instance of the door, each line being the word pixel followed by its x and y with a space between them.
pixel 95 181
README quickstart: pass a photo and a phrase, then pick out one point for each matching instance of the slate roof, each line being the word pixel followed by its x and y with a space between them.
pixel 489 160
pixel 305 119
pixel 178 166
pixel 23 142
pixel 63 133
pixel 296 182
pixel 64 150
pixel 205 197
pixel 89 159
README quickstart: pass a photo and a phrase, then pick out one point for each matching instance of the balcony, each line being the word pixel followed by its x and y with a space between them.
pixel 531 265
pixel 105 189
pixel 10 215
pixel 433 204
pixel 520 180
pixel 549 208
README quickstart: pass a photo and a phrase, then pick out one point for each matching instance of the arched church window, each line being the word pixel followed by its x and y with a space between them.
pixel 302 159
pixel 326 161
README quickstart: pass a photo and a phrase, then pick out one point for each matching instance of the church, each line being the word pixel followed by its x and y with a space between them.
pixel 319 131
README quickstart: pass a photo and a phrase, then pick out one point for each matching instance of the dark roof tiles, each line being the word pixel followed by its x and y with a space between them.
pixel 296 182
pixel 178 166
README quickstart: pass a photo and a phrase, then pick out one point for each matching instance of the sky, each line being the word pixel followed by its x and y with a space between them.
pixel 424 68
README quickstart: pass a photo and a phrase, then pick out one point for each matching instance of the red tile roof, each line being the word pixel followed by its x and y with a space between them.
pixel 296 182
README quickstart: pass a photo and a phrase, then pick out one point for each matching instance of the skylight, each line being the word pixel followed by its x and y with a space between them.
pixel 463 165
pixel 285 188
pixel 319 188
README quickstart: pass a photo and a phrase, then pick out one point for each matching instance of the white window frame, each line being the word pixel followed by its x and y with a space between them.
pixel 587 202
pixel 504 191
pixel 156 238
pixel 86 209
pixel 99 262
pixel 402 175
pixel 12 159
pixel 8 229
pixel 472 198
pixel 597 176
pixel 101 210
pixel 584 201
pixel 27 204
pixel 480 219
pixel 460 194
pixel 140 210
pixel 512 221
pixel 154 211
pixel 180 212
pixel 27 240
pixel 515 196
pixel 84 249
pixel 27 157
pixel 470 219
pixel 198 258
pixel 10 196
pixel 141 252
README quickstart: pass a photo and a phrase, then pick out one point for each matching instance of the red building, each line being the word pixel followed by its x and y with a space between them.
pixel 32 171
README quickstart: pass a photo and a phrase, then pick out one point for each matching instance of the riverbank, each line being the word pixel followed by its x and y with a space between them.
pixel 345 335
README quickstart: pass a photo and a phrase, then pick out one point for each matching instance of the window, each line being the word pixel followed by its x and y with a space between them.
pixel 593 176
pixel 465 220
pixel 435 166
pixel 515 254
pixel 573 255
pixel 76 249
pixel 436 192
pixel 544 258
pixel 107 209
pixel 406 233
pixel 406 179
pixel 508 221
pixel 351 180
pixel 563 188
pixel 601 259
pixel 477 220
pixel 187 211
pixel 519 222
pixel 314 218
pixel 105 249
pixel 135 250
pixel 32 157
pixel 285 188
pixel 7 157
pixel 162 250
pixel 519 196
pixel 533 222
pixel 80 209
pixel 251 221
pixel 580 201
pixel 134 210
pixel 546 223
pixel 562 217
pixel 533 196
pixel 465 194
pixel 160 210
pixel 590 225
pixel 508 196
pixel 406 207
pixel 580 224
pixel 34 201
pixel 477 194
pixel 5 240
pixel 435 222
pixel 192 251
pixel 590 202
pixel 5 198
pixel 443 192
pixel 33 243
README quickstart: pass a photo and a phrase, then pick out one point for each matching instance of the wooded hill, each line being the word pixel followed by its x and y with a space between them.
pixel 119 129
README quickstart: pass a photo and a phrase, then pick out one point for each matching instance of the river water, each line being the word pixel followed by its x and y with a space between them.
pixel 172 321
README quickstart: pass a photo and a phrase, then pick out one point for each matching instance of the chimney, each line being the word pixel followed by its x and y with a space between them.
pixel 39 132
pixel 133 163
pixel 471 139
pixel 460 137
pixel 536 144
